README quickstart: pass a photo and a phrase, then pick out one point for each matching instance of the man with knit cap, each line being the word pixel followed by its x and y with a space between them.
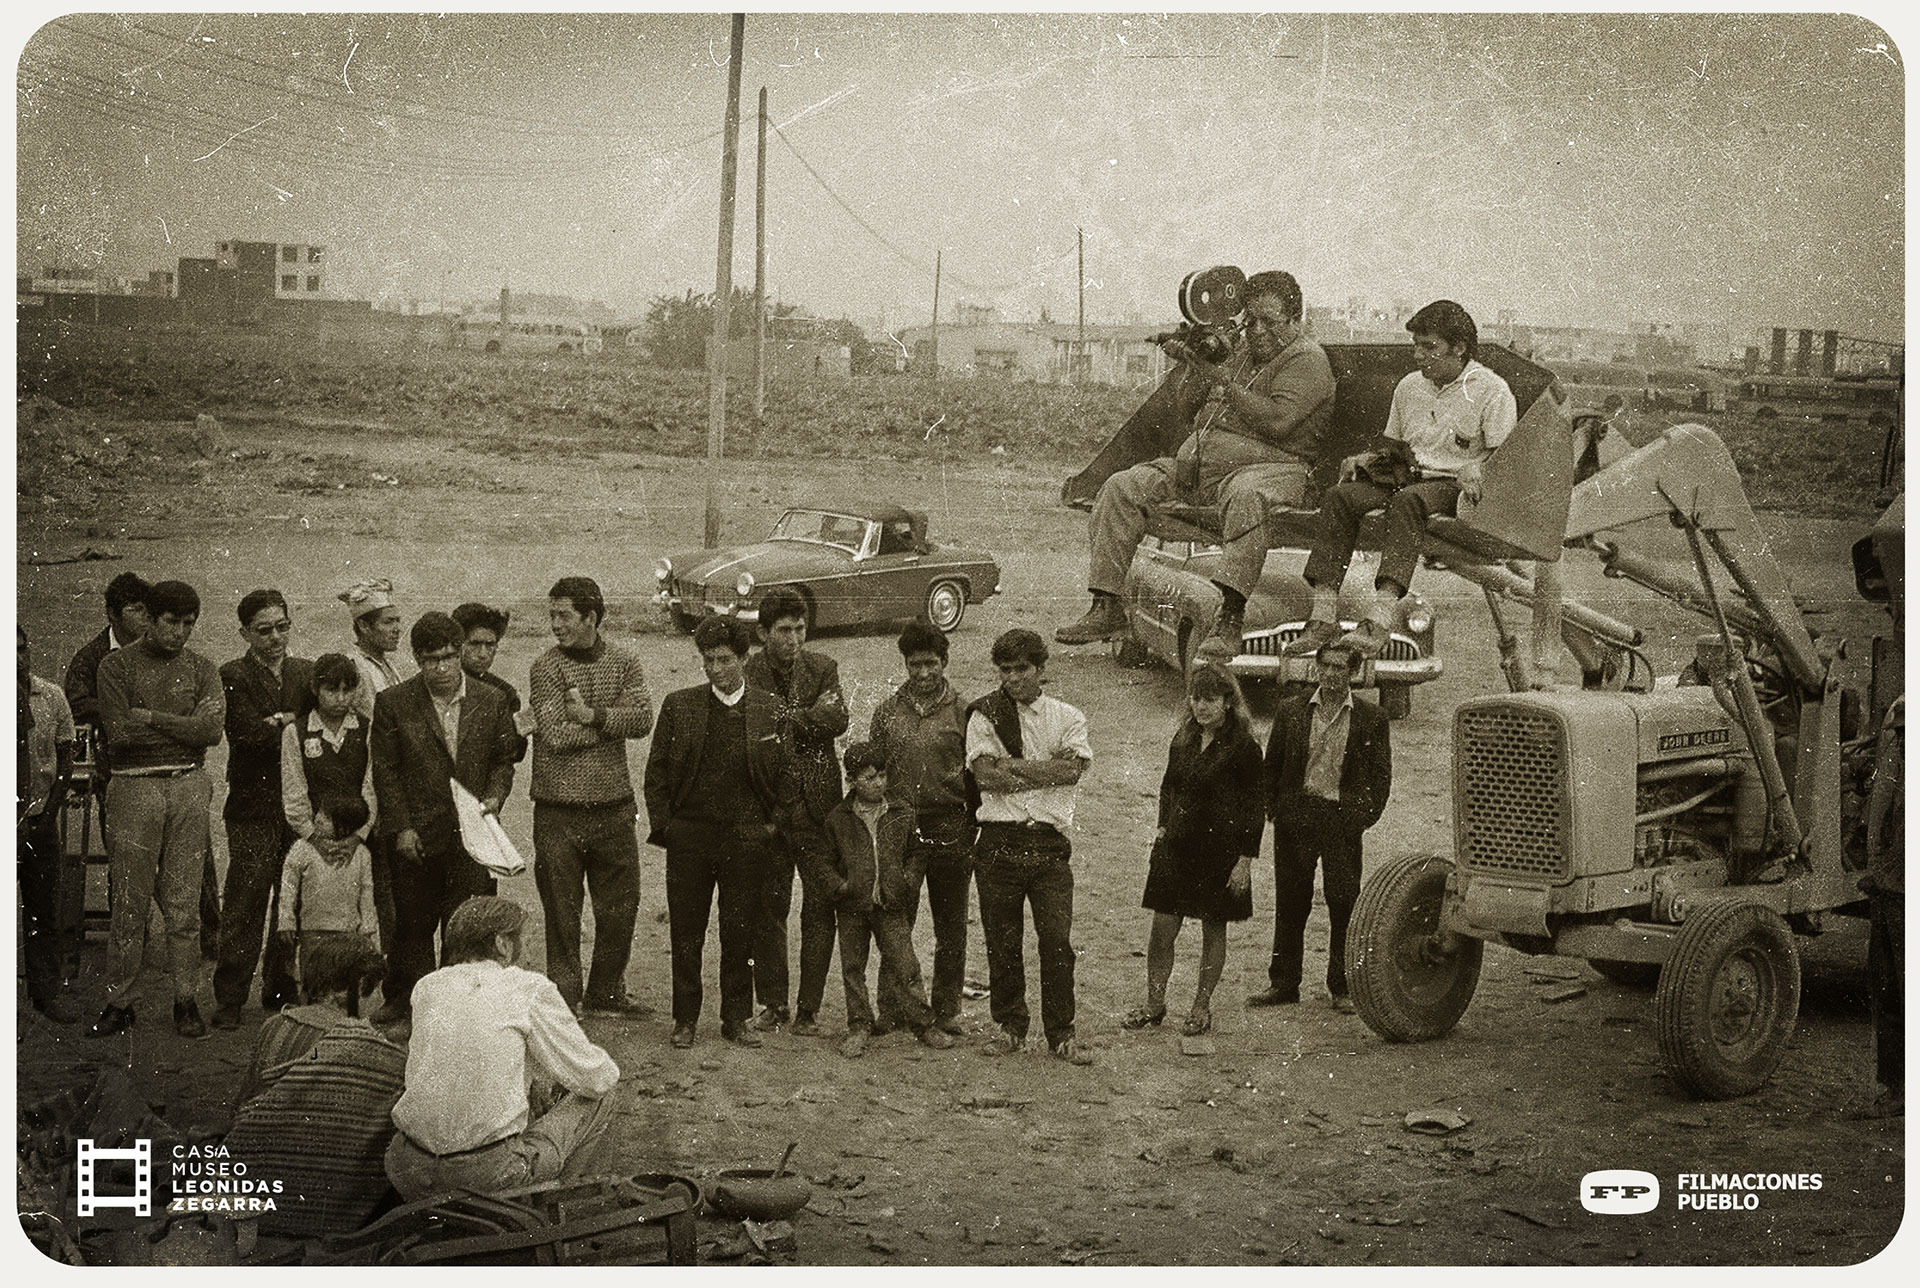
pixel 482 1030
pixel 589 697
pixel 1446 420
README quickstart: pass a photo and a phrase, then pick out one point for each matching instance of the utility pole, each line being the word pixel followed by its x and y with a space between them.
pixel 933 373
pixel 760 271
pixel 723 289
pixel 1080 240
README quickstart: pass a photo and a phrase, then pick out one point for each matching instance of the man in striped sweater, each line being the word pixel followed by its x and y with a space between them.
pixel 589 697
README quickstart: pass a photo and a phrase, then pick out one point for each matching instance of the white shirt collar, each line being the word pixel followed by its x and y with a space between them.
pixel 729 699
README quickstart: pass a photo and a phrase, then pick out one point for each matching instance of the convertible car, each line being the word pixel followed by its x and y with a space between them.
pixel 854 565
pixel 1172 601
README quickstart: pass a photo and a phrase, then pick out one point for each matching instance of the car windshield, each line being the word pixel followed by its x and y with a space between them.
pixel 843 530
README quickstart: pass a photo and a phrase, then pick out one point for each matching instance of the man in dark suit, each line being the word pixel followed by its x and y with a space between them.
pixel 813 712
pixel 265 690
pixel 1329 769
pixel 720 786
pixel 428 730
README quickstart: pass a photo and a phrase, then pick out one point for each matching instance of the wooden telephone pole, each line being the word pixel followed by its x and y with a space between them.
pixel 723 290
pixel 760 271
pixel 933 372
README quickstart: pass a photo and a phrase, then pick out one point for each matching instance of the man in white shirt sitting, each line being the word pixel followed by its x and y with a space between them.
pixel 482 1027
pixel 1447 418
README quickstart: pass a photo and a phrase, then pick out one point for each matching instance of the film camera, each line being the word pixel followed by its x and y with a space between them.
pixel 1211 300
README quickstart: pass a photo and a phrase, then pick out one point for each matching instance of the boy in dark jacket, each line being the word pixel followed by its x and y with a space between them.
pixel 867 838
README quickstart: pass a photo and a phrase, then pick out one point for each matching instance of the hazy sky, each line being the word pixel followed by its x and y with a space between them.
pixel 1586 170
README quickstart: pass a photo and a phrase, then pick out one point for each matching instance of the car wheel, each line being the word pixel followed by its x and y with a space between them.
pixel 946 604
pixel 1396 700
pixel 1728 999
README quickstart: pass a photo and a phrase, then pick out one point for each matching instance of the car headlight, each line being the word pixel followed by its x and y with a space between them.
pixel 744 586
pixel 1419 619
pixel 663 570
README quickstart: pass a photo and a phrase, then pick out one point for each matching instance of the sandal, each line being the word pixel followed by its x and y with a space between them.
pixel 1141 1017
pixel 1199 1020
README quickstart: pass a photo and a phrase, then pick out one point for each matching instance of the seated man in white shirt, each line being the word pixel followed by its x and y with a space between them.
pixel 482 1027
pixel 1445 422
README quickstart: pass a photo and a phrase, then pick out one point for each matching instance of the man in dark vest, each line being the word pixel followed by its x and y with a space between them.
pixel 265 691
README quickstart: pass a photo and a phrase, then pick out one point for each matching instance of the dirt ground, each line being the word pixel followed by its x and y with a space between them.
pixel 1286 1146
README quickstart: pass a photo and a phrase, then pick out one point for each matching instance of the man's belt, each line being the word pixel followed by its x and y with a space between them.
pixel 454 1153
pixel 162 771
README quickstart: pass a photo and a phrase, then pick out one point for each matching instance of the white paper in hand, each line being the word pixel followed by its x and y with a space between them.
pixel 483 837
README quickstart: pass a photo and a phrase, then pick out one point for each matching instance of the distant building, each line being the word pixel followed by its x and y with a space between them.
pixel 1050 352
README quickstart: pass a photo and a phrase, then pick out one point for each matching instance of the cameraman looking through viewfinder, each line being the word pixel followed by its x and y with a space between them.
pixel 1257 434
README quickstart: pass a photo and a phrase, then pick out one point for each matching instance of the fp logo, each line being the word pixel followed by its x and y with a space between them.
pixel 1619 1192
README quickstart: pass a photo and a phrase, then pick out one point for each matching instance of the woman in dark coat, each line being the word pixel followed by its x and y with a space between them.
pixel 1210 822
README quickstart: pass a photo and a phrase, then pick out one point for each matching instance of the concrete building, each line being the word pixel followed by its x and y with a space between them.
pixel 1050 352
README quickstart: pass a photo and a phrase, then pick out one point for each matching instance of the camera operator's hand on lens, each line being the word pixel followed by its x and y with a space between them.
pixel 1178 351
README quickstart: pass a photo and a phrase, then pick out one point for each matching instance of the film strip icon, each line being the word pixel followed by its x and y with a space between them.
pixel 141 1200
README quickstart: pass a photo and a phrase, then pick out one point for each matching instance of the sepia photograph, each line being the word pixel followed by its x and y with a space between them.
pixel 1219 638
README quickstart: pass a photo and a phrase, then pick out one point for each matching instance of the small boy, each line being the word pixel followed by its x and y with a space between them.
pixel 326 888
pixel 867 837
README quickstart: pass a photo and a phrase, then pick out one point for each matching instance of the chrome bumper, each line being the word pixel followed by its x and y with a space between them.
pixel 1373 671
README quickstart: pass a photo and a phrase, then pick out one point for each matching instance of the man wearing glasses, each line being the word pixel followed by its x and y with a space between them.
pixel 427 730
pixel 1257 434
pixel 265 691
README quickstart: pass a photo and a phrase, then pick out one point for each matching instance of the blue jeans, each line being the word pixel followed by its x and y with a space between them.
pixel 1016 867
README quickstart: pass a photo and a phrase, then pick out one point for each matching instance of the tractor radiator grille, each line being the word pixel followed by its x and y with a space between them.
pixel 1269 645
pixel 1510 791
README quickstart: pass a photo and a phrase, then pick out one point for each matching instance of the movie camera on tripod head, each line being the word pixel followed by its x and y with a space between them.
pixel 1211 300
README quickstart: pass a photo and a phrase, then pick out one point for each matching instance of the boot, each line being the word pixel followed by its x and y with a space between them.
pixel 1223 642
pixel 1375 628
pixel 1323 624
pixel 1103 621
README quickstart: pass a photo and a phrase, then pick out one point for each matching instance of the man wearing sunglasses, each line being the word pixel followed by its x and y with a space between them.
pixel 1260 419
pixel 265 690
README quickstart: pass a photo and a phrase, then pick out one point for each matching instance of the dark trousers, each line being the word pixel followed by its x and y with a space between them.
pixel 946 869
pixel 770 945
pixel 381 862
pixel 210 908
pixel 701 859
pixel 424 896
pixel 582 851
pixel 899 967
pixel 256 850
pixel 1886 978
pixel 1016 867
pixel 44 939
pixel 1312 832
pixel 1343 506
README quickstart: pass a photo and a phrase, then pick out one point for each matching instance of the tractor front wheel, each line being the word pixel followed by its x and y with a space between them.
pixel 1411 980
pixel 1728 998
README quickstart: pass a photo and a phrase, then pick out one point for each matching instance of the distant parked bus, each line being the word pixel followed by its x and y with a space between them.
pixel 1862 400
pixel 528 333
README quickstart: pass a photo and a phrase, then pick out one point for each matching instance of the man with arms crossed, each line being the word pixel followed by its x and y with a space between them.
pixel 161 707
pixel 1027 751
pixel 265 690
pixel 1269 406
pixel 813 713
pixel 589 698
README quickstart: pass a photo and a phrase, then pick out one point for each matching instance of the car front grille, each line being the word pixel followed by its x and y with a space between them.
pixel 1269 644
pixel 1510 791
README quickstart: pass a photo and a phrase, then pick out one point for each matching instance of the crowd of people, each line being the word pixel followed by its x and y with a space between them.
pixel 348 871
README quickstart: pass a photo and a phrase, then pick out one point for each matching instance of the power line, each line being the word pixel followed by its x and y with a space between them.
pixel 899 253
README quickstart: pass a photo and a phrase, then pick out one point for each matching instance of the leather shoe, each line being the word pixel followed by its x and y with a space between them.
pixel 806 1027
pixel 952 1025
pixel 855 1044
pixel 186 1020
pixel 742 1035
pixel 617 1008
pixel 1316 636
pixel 1271 996
pixel 682 1037
pixel 1106 619
pixel 936 1038
pixel 115 1019
pixel 769 1020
